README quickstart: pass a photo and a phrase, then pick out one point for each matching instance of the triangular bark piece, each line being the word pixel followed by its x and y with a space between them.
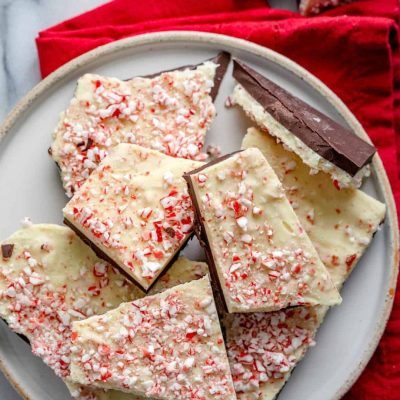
pixel 170 112
pixel 321 142
pixel 166 346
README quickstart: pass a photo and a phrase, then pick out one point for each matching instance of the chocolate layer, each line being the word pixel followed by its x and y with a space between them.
pixel 200 232
pixel 222 59
pixel 7 250
pixel 339 145
pixel 100 253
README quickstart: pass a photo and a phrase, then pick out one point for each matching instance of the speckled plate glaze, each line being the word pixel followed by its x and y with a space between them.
pixel 30 186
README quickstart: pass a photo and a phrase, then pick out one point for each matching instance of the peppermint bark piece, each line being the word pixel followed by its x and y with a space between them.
pixel 257 249
pixel 166 346
pixel 341 225
pixel 134 210
pixel 50 280
pixel 170 112
pixel 263 348
pixel 183 270
pixel 322 144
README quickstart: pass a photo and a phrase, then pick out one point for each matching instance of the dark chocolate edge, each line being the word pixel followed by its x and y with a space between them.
pixel 100 253
pixel 340 160
pixel 7 250
pixel 215 161
pixel 173 259
pixel 202 236
pixel 223 59
pixel 181 68
pixel 199 227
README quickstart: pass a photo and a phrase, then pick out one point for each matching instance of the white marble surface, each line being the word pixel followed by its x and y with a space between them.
pixel 20 21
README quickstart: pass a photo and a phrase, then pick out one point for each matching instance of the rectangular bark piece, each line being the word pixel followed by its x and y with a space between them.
pixel 257 249
pixel 134 210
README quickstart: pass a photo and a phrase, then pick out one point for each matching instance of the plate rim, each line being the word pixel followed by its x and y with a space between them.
pixel 267 54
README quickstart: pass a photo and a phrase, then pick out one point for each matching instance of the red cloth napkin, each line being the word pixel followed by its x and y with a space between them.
pixel 353 49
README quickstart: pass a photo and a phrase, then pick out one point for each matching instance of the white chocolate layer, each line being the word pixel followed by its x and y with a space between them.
pixel 263 257
pixel 263 348
pixel 170 113
pixel 51 280
pixel 317 163
pixel 165 346
pixel 182 271
pixel 340 225
pixel 135 208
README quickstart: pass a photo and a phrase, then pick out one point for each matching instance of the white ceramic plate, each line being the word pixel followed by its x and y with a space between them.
pixel 30 186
